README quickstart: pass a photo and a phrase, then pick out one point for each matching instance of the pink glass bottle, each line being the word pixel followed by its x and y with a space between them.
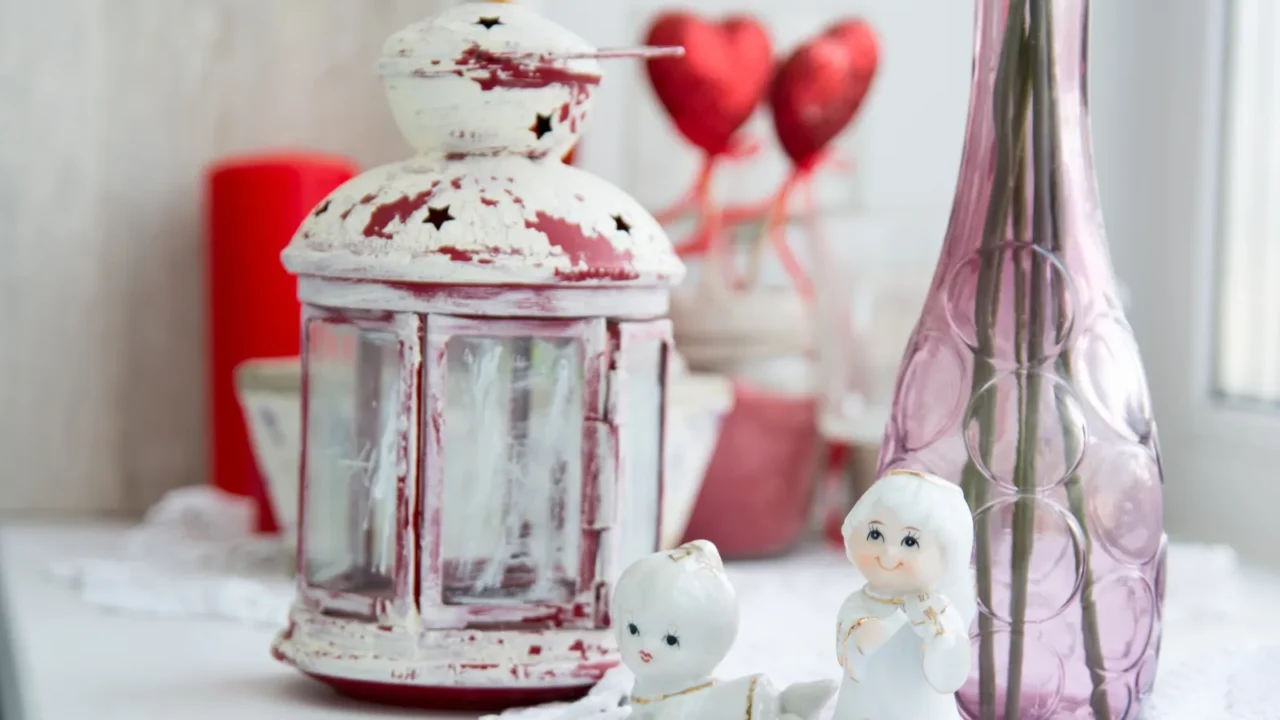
pixel 1023 383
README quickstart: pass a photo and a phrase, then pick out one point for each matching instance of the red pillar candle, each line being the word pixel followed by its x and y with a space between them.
pixel 254 205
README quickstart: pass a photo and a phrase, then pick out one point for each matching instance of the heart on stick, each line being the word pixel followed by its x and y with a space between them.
pixel 818 89
pixel 714 88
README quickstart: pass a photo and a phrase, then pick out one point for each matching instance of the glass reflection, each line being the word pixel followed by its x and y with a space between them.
pixel 353 397
pixel 512 466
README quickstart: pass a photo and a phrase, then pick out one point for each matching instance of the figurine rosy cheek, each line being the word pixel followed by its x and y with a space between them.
pixel 910 536
pixel 676 617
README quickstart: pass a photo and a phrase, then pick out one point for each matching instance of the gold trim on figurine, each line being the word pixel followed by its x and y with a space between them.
pixel 934 618
pixel 751 697
pixel 691 549
pixel 668 696
pixel 881 600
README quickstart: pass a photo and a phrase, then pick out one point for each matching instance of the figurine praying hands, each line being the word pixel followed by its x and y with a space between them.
pixel 903 638
pixel 676 616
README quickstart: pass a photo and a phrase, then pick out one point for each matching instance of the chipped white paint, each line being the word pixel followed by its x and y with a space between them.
pixel 505 302
pixel 513 468
pixel 471 106
pixel 515 221
pixel 348 536
pixel 511 465
pixel 338 647
pixel 486 95
pixel 497 542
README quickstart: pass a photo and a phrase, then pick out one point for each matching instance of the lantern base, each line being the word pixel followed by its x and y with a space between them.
pixel 445 669
pixel 460 699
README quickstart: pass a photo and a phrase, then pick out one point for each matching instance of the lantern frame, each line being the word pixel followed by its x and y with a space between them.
pixel 483 232
pixel 410 646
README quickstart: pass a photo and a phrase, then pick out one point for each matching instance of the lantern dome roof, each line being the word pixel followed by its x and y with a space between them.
pixel 482 221
pixel 490 96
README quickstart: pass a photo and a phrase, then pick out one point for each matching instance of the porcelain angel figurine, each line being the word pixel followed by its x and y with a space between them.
pixel 676 616
pixel 903 637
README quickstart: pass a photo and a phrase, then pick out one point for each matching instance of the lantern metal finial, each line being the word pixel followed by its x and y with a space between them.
pixel 490 95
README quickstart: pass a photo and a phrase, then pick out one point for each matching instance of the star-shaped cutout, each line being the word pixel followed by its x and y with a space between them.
pixel 622 224
pixel 489 22
pixel 541 126
pixel 438 216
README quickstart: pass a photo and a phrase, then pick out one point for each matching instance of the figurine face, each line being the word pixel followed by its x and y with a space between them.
pixel 675 614
pixel 912 532
pixel 895 557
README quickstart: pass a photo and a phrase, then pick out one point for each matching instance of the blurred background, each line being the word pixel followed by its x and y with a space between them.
pixel 111 113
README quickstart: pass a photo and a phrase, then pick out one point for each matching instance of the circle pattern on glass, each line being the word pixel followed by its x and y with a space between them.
pixel 1147 674
pixel 931 390
pixel 1109 370
pixel 1049 545
pixel 1125 502
pixel 1118 697
pixel 1162 564
pixel 1042 405
pixel 1043 678
pixel 1009 273
pixel 1125 605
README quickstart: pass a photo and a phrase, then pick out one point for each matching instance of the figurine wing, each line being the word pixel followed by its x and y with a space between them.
pixel 806 700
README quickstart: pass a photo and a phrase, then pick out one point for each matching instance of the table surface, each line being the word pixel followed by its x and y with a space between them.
pixel 68 659
pixel 71 661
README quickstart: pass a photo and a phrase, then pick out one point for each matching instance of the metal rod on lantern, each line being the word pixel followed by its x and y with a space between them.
pixel 644 52
pixel 529 58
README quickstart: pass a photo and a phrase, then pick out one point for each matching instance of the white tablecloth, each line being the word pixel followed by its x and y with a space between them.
pixel 192 559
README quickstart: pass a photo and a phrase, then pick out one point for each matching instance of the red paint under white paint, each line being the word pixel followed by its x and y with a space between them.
pixel 468 255
pixel 336 647
pixel 527 227
pixel 487 301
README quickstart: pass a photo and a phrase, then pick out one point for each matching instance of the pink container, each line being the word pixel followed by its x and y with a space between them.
pixel 758 489
pixel 1023 383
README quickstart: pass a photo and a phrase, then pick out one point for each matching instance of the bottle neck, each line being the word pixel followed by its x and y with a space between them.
pixel 1064 24
pixel 1028 128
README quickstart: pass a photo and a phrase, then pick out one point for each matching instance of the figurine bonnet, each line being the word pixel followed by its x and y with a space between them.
pixel 903 638
pixel 676 616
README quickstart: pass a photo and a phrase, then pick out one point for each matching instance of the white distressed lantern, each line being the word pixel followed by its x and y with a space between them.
pixel 485 358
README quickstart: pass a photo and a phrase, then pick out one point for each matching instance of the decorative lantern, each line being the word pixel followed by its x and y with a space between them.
pixel 485 357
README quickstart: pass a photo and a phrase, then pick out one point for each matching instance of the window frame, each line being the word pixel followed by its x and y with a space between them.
pixel 631 336
pixel 580 611
pixel 407 328
pixel 1160 123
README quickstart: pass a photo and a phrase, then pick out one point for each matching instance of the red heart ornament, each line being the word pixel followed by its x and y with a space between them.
pixel 712 90
pixel 817 92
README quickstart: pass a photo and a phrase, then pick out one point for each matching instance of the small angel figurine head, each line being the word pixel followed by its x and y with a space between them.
pixel 911 532
pixel 675 613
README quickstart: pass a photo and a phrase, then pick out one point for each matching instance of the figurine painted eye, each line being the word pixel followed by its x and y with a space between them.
pixel 875 535
pixel 671 640
pixel 631 628
pixel 910 541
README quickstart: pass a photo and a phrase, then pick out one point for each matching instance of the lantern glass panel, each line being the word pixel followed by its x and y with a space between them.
pixel 641 366
pixel 353 393
pixel 513 428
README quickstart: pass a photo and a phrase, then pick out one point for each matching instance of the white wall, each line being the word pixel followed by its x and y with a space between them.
pixel 108 112
pixel 108 116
